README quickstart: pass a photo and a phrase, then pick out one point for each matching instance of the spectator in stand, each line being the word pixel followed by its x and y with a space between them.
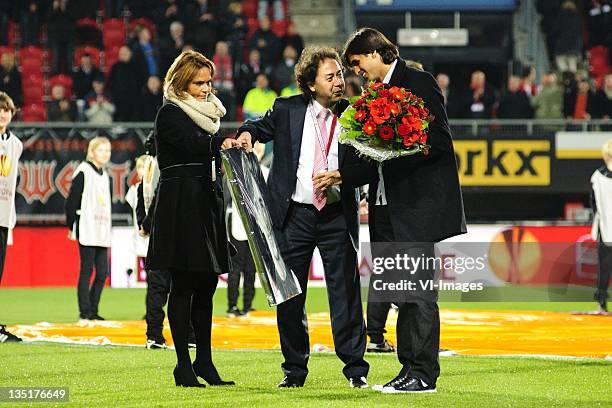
pixel 151 99
pixel 10 78
pixel 83 8
pixel 234 29
pixel 291 89
pixel 123 85
pixel 248 74
pixel 259 99
pixel 166 13
pixel 528 84
pixel 514 103
pixel 548 9
pixel 568 37
pixel 283 73
pixel 60 108
pixel 266 42
pixel 548 103
pixel 603 100
pixel 204 29
pixel 6 10
pixel 583 107
pixel 352 86
pixel 600 23
pixel 100 109
pixel 292 38
pixel 83 76
pixel 171 46
pixel 223 82
pixel 29 19
pixel 479 99
pixel 60 34
pixel 569 87
pixel 144 55
pixel 278 11
pixel 450 98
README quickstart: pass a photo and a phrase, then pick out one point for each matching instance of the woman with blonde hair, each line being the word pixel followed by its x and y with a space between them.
pixel 188 235
pixel 88 214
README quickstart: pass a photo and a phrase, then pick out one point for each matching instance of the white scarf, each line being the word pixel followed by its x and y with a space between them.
pixel 206 114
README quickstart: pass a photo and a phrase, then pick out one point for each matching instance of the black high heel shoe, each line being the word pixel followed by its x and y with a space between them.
pixel 210 374
pixel 185 377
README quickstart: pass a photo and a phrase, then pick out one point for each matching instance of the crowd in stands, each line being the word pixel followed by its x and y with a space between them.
pixel 104 61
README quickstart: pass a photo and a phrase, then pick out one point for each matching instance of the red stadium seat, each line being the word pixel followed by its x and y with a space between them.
pixel 113 33
pixel 249 8
pixel 253 25
pixel 31 60
pixel 145 22
pixel 111 55
pixel 279 28
pixel 93 51
pixel 64 80
pixel 33 87
pixel 34 113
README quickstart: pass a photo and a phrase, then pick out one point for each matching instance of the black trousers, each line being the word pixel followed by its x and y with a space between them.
pixel 376 320
pixel 306 229
pixel 89 297
pixel 242 265
pixel 605 271
pixel 418 321
pixel 158 288
pixel 3 241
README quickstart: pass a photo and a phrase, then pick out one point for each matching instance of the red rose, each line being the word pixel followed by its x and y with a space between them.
pixel 376 85
pixel 369 128
pixel 394 108
pixel 378 119
pixel 359 102
pixel 386 133
pixel 384 93
pixel 360 115
pixel 404 130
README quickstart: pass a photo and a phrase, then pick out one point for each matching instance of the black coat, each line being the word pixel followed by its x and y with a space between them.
pixel 284 124
pixel 188 227
pixel 423 194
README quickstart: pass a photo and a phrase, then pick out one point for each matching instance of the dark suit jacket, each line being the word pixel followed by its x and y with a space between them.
pixel 423 193
pixel 284 124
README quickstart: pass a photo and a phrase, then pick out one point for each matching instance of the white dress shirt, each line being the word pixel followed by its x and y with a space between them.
pixel 303 187
pixel 381 197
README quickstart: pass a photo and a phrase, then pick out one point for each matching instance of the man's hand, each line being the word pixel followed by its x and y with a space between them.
pixel 229 143
pixel 323 181
pixel 246 141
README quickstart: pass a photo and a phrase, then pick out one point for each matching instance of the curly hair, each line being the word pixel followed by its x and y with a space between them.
pixel 308 65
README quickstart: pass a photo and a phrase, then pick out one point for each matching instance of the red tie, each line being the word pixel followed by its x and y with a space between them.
pixel 319 197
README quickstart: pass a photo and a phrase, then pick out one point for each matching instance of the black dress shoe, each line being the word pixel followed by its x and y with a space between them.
pixel 6 336
pixel 210 374
pixel 410 384
pixel 358 382
pixel 185 377
pixel 290 382
pixel 96 317
pixel 398 379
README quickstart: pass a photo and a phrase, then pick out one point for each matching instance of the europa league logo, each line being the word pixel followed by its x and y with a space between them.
pixel 5 165
pixel 515 255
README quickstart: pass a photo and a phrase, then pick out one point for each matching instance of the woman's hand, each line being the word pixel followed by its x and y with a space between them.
pixel 229 143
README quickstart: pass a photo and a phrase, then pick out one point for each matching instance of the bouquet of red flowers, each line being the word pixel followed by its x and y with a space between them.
pixel 386 122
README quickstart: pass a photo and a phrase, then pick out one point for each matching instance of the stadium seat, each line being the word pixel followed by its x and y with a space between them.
pixel 31 60
pixel 279 27
pixel 64 80
pixel 249 8
pixel 4 49
pixel 93 51
pixel 33 87
pixel 34 112
pixel 111 55
pixel 145 22
pixel 88 32
pixel 113 33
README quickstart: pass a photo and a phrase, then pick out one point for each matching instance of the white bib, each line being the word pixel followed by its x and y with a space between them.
pixel 141 244
pixel 10 152
pixel 95 214
pixel 149 181
pixel 602 222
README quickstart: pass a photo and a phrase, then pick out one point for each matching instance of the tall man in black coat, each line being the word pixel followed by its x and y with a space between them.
pixel 305 136
pixel 413 199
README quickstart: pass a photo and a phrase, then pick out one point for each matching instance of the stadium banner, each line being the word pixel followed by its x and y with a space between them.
pixel 50 156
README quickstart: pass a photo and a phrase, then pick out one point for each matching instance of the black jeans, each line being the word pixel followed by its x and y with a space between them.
pixel 242 265
pixel 158 288
pixel 89 297
pixel 3 240
pixel 604 272
pixel 306 229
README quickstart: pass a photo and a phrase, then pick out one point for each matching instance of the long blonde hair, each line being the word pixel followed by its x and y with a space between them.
pixel 184 68
pixel 93 145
